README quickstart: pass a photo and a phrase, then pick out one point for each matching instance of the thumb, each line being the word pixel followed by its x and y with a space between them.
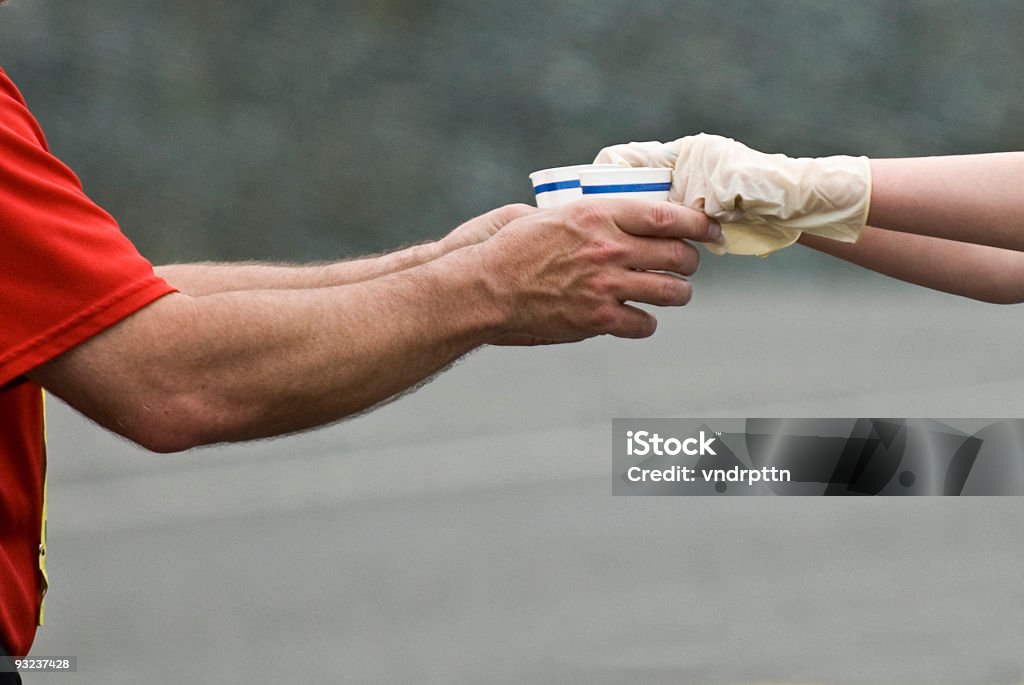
pixel 650 153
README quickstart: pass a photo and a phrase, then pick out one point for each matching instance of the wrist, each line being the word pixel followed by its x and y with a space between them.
pixel 368 268
pixel 765 201
pixel 414 255
pixel 450 243
pixel 445 245
pixel 466 280
pixel 429 251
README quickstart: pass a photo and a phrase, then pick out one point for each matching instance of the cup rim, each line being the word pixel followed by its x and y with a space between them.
pixel 574 169
pixel 631 170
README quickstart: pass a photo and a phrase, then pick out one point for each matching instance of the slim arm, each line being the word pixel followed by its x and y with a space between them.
pixel 971 198
pixel 954 224
pixel 980 272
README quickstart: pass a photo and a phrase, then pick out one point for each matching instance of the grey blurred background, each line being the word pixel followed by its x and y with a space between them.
pixel 466 533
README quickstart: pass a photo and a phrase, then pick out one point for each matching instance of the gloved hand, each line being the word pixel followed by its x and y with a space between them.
pixel 763 202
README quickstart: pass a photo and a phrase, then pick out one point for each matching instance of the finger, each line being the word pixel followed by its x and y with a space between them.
pixel 662 290
pixel 500 217
pixel 524 340
pixel 659 254
pixel 650 154
pixel 632 322
pixel 661 220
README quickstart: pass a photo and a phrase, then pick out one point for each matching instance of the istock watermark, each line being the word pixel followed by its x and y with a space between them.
pixel 855 456
pixel 642 443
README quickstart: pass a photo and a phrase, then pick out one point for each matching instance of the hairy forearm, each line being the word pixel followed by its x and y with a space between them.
pixel 970 198
pixel 207 278
pixel 248 364
pixel 189 370
pixel 980 272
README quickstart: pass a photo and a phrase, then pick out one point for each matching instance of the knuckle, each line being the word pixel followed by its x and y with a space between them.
pixel 601 285
pixel 641 325
pixel 515 211
pixel 602 318
pixel 607 251
pixel 599 250
pixel 662 216
pixel 587 214
pixel 508 213
pixel 676 253
pixel 672 290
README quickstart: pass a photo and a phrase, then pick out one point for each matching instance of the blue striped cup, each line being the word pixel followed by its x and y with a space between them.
pixel 642 183
pixel 561 185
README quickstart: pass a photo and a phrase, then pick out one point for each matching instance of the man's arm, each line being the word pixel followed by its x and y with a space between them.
pixel 186 371
pixel 980 272
pixel 208 278
pixel 231 366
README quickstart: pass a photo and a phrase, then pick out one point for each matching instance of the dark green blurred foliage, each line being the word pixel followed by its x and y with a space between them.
pixel 311 130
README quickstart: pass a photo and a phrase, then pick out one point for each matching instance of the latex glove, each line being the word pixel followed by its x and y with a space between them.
pixel 763 202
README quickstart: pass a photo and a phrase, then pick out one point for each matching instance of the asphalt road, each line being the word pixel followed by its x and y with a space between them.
pixel 467 534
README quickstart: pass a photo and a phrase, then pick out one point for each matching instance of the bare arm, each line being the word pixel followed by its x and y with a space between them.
pixel 954 224
pixel 980 272
pixel 208 278
pixel 186 371
pixel 248 364
pixel 970 198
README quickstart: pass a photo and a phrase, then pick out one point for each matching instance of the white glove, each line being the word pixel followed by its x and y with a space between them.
pixel 763 202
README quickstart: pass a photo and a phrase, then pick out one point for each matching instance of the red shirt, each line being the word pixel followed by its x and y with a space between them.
pixel 66 273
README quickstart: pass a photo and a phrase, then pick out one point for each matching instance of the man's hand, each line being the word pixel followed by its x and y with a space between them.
pixel 567 273
pixel 238 365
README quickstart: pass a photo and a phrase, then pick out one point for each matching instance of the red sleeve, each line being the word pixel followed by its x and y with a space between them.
pixel 66 270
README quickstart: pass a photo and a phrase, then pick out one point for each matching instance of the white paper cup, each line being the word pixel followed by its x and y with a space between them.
pixel 642 183
pixel 561 185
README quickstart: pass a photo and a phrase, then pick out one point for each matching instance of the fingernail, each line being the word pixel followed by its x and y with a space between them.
pixel 714 233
